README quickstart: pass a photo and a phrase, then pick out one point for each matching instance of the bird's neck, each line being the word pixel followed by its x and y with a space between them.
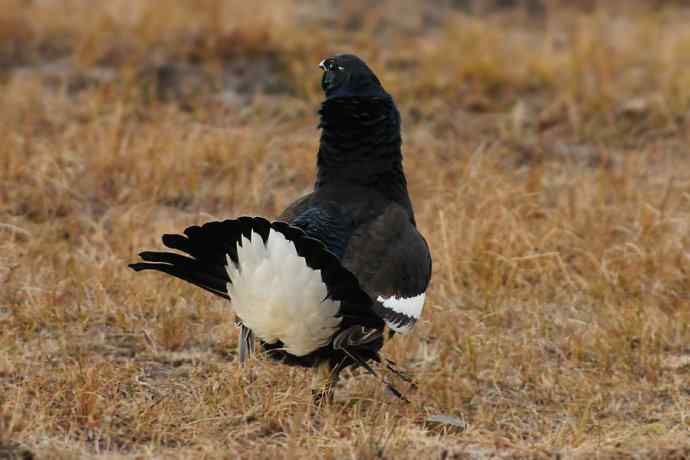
pixel 361 144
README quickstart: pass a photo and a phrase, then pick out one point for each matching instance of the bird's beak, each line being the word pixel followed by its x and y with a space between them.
pixel 332 76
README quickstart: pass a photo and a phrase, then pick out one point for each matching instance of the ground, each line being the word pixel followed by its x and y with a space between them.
pixel 547 150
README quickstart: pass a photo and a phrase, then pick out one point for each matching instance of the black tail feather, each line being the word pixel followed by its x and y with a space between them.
pixel 178 242
pixel 208 246
pixel 213 272
pixel 189 274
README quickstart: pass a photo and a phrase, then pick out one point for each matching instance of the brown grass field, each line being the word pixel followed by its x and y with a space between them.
pixel 547 151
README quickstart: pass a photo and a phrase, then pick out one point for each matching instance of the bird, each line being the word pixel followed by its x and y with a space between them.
pixel 340 270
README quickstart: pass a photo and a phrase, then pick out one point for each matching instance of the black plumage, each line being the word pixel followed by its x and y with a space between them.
pixel 357 228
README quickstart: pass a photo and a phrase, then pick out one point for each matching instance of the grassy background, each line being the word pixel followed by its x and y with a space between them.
pixel 546 146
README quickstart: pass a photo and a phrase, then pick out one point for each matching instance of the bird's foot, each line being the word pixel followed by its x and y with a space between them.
pixel 323 383
pixel 322 396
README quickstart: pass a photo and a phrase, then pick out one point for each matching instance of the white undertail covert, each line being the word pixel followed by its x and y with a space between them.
pixel 277 295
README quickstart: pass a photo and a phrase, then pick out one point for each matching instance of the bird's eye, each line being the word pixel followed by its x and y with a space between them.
pixel 330 65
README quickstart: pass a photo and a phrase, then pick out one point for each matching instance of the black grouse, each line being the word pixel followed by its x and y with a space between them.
pixel 319 285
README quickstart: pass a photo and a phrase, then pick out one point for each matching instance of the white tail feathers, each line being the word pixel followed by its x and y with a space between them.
pixel 278 297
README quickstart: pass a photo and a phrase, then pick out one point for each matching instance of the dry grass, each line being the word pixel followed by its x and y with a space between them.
pixel 547 154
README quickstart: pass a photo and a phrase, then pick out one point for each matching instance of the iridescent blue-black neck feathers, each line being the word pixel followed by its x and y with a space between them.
pixel 360 138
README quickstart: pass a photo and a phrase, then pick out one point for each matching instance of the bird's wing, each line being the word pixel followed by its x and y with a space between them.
pixel 321 216
pixel 323 220
pixel 392 263
pixel 297 208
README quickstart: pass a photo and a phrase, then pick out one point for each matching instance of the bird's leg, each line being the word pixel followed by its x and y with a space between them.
pixel 246 343
pixel 355 336
pixel 391 366
pixel 323 382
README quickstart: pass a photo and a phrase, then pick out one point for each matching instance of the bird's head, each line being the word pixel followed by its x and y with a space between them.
pixel 346 75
